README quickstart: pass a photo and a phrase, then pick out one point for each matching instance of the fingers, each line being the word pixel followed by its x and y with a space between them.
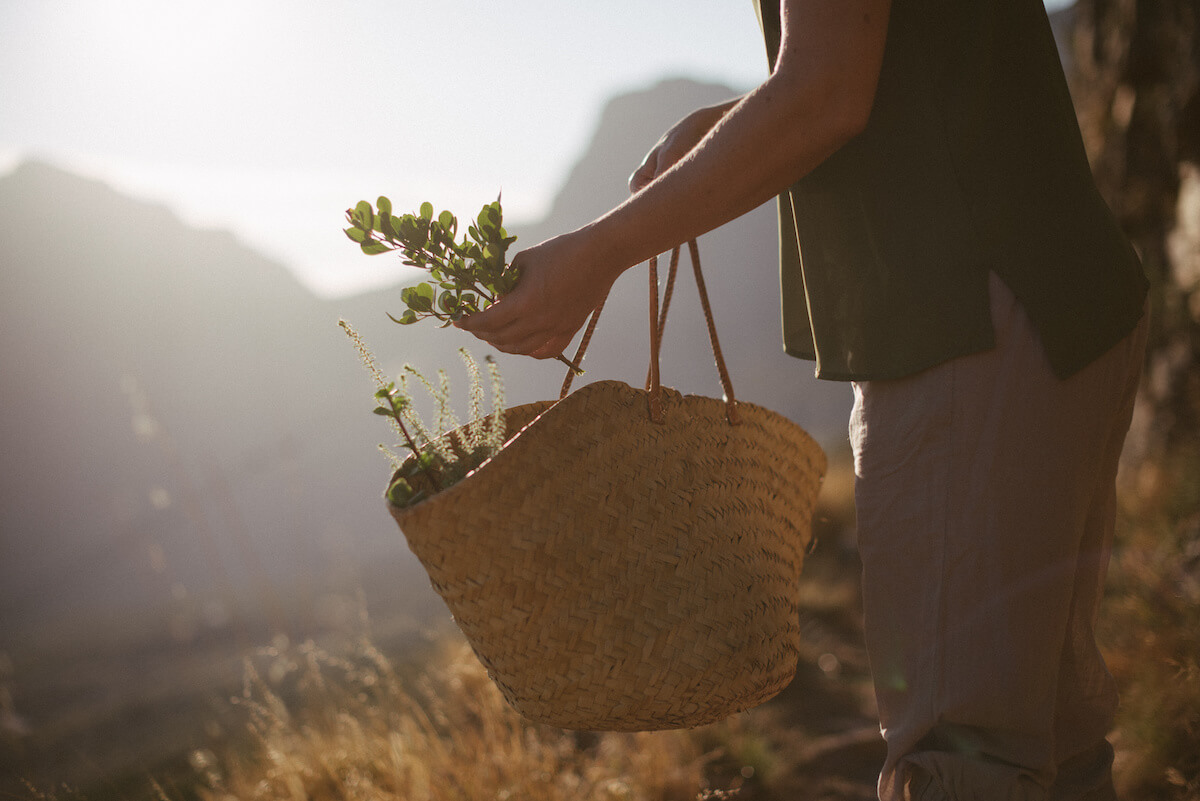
pixel 481 323
pixel 516 336
pixel 511 323
pixel 539 344
pixel 552 348
pixel 645 173
pixel 506 311
pixel 504 327
pixel 552 300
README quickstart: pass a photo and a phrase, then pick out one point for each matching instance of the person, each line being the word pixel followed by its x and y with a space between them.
pixel 944 249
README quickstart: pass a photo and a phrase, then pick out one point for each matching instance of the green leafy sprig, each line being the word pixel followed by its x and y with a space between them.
pixel 442 457
pixel 467 275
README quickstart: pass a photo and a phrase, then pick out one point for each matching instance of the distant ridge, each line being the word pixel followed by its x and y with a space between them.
pixel 258 388
pixel 627 128
pixel 741 266
pixel 188 449
pixel 187 442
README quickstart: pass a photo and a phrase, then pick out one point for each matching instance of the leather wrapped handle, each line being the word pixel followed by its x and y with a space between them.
pixel 658 322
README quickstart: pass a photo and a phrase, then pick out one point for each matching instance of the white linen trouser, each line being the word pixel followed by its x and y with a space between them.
pixel 986 499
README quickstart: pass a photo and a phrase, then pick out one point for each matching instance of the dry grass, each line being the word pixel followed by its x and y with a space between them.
pixel 348 727
pixel 1151 632
pixel 348 724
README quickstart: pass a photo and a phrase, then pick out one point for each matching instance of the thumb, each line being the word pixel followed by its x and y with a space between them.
pixel 475 321
pixel 645 172
pixel 494 317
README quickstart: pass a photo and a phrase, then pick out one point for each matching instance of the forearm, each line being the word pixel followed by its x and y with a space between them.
pixel 818 97
pixel 677 142
pixel 765 142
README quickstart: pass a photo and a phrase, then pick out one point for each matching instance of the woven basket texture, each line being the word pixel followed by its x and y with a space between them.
pixel 613 573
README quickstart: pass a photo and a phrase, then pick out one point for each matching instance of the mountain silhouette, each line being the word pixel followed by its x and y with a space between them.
pixel 169 398
pixel 740 265
pixel 187 433
pixel 187 441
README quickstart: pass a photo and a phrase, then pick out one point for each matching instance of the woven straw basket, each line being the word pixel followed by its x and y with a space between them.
pixel 613 572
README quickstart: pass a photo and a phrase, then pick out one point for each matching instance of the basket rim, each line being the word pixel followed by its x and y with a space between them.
pixel 595 386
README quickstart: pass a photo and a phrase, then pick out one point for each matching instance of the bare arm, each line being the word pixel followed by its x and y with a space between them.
pixel 818 97
pixel 678 142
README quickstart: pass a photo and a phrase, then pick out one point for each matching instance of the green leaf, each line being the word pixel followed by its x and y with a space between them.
pixel 384 205
pixel 383 411
pixel 413 230
pixel 507 281
pixel 374 248
pixel 447 220
pixel 427 211
pixel 385 226
pixel 400 493
pixel 424 291
pixel 365 214
pixel 356 234
pixel 484 224
pixel 408 318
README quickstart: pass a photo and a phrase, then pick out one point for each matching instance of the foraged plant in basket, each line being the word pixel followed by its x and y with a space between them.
pixel 441 457
pixel 629 559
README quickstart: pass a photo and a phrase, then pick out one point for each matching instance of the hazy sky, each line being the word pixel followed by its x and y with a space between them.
pixel 270 117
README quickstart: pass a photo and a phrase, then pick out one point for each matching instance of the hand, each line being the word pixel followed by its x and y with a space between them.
pixel 562 281
pixel 677 142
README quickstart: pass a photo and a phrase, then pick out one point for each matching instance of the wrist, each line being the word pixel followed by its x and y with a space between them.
pixel 607 248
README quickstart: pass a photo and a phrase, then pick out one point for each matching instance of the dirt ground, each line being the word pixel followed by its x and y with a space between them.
pixel 828 723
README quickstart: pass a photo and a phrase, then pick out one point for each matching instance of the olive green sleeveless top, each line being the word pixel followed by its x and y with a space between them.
pixel 971 162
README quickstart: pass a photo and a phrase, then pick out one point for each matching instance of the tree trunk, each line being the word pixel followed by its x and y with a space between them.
pixel 1136 83
pixel 1135 77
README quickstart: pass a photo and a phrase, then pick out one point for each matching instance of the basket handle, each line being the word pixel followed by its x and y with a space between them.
pixel 658 322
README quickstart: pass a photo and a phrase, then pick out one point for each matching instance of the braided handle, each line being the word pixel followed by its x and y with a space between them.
pixel 731 411
pixel 658 323
pixel 582 349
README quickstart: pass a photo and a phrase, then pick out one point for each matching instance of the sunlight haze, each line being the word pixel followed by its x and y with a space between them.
pixel 270 118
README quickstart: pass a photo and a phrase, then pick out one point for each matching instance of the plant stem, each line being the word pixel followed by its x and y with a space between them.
pixel 412 446
pixel 574 367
